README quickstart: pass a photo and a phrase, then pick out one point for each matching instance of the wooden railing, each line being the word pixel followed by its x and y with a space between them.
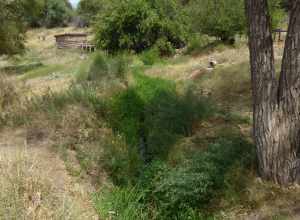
pixel 83 45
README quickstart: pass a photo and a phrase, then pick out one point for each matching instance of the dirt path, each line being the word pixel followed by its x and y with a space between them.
pixel 49 170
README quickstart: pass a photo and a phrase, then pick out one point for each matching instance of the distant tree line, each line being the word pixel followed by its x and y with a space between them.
pixel 47 13
pixel 132 25
pixel 12 28
pixel 168 24
pixel 16 16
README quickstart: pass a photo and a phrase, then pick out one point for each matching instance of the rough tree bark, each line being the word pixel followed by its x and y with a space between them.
pixel 276 112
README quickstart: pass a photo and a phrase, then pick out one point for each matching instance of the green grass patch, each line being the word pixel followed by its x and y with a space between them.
pixel 120 203
pixel 21 68
pixel 44 71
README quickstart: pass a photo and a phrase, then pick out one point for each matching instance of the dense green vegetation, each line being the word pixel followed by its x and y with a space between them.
pixel 151 176
pixel 143 132
pixel 17 15
pixel 183 191
pixel 48 13
pixel 141 24
pixel 12 28
pixel 88 9
pixel 138 25
pixel 222 19
pixel 56 13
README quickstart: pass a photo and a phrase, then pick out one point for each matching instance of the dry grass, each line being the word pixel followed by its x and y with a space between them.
pixel 185 69
pixel 230 87
pixel 27 193
pixel 8 93
pixel 266 201
pixel 35 183
pixel 10 99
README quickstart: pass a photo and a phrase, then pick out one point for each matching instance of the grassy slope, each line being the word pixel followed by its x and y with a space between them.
pixel 228 85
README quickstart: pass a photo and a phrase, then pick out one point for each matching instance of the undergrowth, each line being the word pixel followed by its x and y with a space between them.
pixel 26 193
pixel 9 99
pixel 185 191
pixel 126 126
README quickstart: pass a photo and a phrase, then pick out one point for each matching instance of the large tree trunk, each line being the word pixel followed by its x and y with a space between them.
pixel 276 112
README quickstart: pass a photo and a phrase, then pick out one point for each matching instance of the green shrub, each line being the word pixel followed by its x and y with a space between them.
pixel 150 57
pixel 120 162
pixel 164 47
pixel 120 65
pixel 184 191
pixel 202 178
pixel 126 113
pixel 104 67
pixel 138 24
pixel 151 116
pixel 99 68
pixel 57 13
pixel 12 27
pixel 133 111
pixel 223 19
pixel 277 13
pixel 197 43
pixel 47 13
pixel 121 204
pixel 88 9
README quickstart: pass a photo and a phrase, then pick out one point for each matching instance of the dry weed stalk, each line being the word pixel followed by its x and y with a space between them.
pixel 25 189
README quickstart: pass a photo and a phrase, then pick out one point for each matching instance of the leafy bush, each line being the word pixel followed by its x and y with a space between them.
pixel 34 11
pixel 197 43
pixel 98 68
pixel 277 13
pixel 12 28
pixel 150 57
pixel 222 19
pixel 120 65
pixel 201 178
pixel 164 47
pixel 138 24
pixel 184 191
pixel 48 13
pixel 151 116
pixel 126 113
pixel 88 9
pixel 103 66
pixel 58 13
pixel 225 19
pixel 120 162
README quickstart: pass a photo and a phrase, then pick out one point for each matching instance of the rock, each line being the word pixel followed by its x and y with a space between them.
pixel 212 63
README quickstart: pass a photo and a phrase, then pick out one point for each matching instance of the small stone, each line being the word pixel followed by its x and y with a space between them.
pixel 212 63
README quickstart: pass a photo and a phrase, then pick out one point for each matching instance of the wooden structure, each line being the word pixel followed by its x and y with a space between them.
pixel 74 40
pixel 279 33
